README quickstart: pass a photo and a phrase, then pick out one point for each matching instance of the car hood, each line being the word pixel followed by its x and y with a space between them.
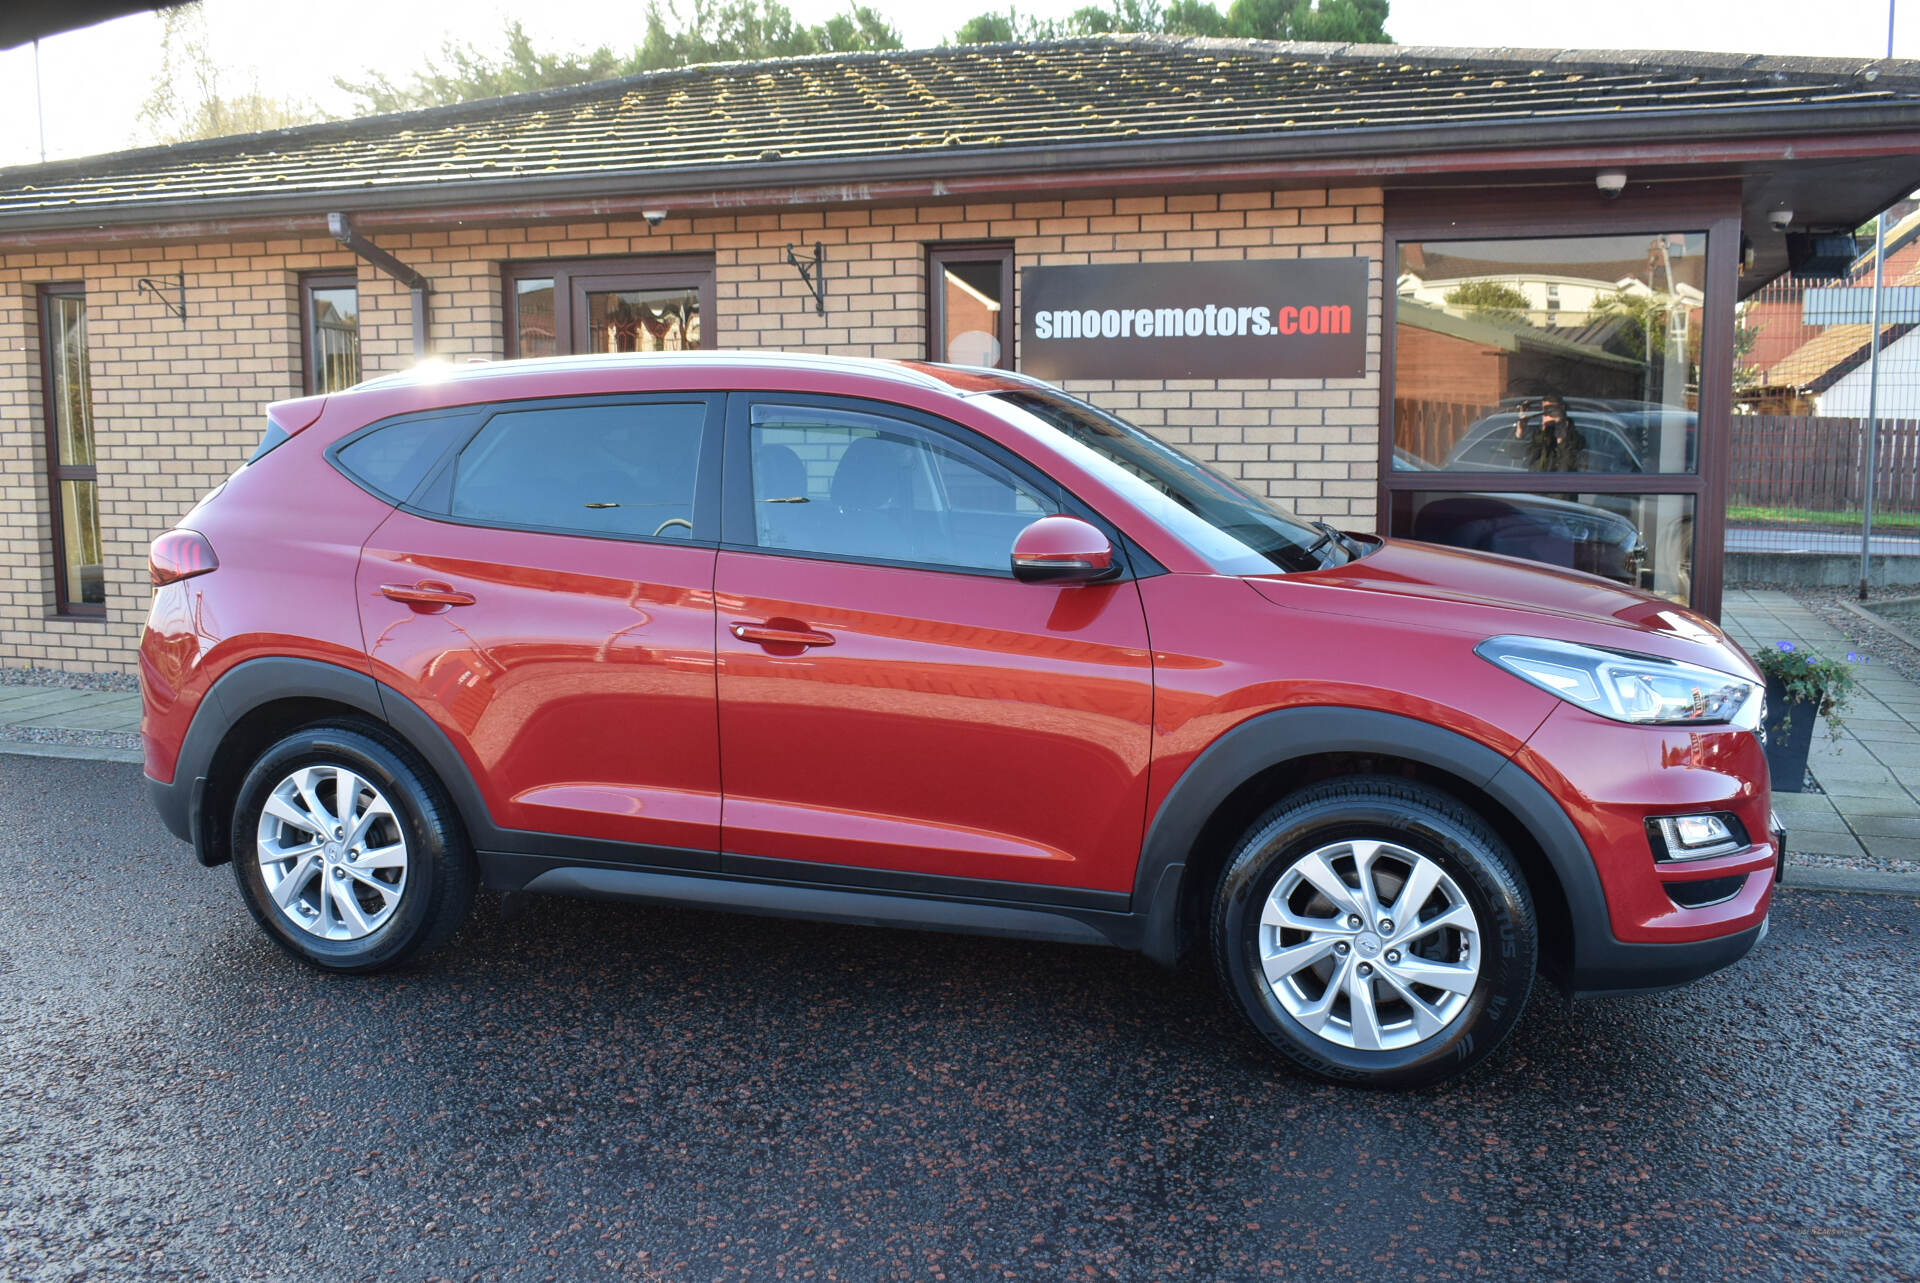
pixel 1484 594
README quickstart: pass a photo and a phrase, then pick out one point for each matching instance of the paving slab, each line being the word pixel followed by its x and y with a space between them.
pixel 44 703
pixel 1887 826
pixel 84 718
pixel 1871 775
pixel 1902 849
pixel 1827 821
pixel 1821 842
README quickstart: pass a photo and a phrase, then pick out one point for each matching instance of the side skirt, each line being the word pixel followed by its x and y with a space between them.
pixel 790 898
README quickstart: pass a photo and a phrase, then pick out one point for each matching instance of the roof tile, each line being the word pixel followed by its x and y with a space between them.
pixel 895 104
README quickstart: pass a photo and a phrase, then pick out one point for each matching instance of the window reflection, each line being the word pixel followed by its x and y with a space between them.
pixel 1562 354
pixel 335 338
pixel 643 320
pixel 971 315
pixel 1644 541
pixel 533 316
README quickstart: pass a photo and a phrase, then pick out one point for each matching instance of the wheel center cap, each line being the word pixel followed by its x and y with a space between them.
pixel 332 852
pixel 1367 946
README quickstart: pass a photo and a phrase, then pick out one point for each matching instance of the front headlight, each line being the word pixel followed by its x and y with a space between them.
pixel 1628 687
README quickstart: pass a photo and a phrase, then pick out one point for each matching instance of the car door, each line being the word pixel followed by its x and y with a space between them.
pixel 546 597
pixel 896 708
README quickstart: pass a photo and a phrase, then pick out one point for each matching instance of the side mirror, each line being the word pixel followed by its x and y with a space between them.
pixel 1061 550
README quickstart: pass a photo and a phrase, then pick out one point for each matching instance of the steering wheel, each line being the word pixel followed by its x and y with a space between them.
pixel 669 523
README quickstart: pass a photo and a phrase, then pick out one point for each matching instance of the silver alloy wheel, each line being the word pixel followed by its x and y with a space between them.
pixel 332 853
pixel 1369 945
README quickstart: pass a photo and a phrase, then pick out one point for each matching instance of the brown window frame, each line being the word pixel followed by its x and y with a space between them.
pixel 646 271
pixel 309 282
pixel 1709 207
pixel 56 472
pixel 939 255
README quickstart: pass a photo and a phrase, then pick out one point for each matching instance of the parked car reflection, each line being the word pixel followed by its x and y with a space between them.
pixel 1560 532
pixel 1618 436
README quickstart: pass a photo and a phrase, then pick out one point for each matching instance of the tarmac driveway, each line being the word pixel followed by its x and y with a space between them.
pixel 594 1091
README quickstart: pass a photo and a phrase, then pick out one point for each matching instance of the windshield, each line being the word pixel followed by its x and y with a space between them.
pixel 1237 532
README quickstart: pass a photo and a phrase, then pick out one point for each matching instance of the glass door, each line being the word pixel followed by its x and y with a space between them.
pixel 654 304
pixel 1547 399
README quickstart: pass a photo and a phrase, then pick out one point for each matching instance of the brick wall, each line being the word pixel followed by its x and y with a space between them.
pixel 177 404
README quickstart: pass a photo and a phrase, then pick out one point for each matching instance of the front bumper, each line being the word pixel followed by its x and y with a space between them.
pixel 1612 968
pixel 1612 777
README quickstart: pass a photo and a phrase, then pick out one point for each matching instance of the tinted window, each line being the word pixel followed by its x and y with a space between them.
pixel 855 485
pixel 597 469
pixel 272 439
pixel 394 458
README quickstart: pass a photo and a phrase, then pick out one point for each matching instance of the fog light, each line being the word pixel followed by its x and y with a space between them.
pixel 1694 837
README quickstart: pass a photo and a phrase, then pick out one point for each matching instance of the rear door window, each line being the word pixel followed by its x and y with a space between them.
pixel 627 470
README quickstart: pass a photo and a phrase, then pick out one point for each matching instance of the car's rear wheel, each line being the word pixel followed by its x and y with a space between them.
pixel 1376 932
pixel 348 851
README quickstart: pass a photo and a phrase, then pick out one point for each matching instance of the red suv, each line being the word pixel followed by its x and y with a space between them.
pixel 934 647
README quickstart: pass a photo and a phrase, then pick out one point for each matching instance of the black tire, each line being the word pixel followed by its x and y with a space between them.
pixel 439 883
pixel 1428 823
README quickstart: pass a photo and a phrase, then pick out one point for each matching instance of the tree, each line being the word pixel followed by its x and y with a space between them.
pixel 711 31
pixel 1493 299
pixel 990 29
pixel 465 73
pixel 187 100
pixel 1645 320
pixel 1345 21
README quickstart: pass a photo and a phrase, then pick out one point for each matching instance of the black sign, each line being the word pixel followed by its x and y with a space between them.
pixel 1253 319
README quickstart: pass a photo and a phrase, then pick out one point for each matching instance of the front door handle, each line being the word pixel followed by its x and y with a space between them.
pixel 771 634
pixel 428 592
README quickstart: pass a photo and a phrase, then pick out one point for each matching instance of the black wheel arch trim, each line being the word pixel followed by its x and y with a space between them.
pixel 1274 739
pixel 234 694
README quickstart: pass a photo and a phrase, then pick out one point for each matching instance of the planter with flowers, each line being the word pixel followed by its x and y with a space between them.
pixel 1803 687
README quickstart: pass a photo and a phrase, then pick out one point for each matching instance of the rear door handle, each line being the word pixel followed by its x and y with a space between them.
pixel 770 635
pixel 428 592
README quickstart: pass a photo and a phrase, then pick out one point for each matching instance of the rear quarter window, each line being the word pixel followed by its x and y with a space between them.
pixel 272 439
pixel 393 458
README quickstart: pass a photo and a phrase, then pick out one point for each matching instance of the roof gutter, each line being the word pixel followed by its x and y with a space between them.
pixel 341 225
pixel 1769 136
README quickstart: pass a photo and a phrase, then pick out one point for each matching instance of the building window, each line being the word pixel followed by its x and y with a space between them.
pixel 1569 435
pixel 655 304
pixel 330 334
pixel 970 304
pixel 78 569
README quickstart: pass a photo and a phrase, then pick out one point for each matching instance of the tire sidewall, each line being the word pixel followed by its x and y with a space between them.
pixel 1492 889
pixel 426 849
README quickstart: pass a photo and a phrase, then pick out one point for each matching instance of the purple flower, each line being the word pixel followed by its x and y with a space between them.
pixel 1852 658
pixel 1785 646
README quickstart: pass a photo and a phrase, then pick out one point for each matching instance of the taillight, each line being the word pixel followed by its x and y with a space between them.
pixel 180 554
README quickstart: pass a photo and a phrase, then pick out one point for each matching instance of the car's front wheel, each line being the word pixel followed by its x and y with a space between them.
pixel 348 850
pixel 1376 932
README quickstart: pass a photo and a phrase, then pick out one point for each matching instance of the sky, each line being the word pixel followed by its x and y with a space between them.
pixel 95 80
